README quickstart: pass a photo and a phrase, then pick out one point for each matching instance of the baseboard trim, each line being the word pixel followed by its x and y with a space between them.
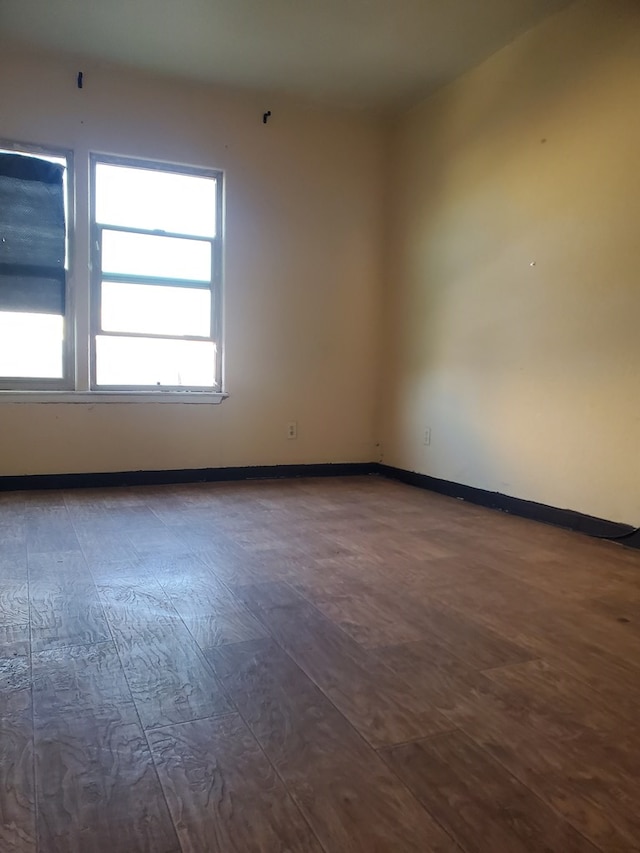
pixel 567 518
pixel 189 475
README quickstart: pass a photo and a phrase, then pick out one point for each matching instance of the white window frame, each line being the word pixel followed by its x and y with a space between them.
pixel 97 277
pixel 66 382
pixel 81 297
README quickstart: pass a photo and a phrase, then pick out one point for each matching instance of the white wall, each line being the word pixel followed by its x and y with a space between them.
pixel 527 375
pixel 303 261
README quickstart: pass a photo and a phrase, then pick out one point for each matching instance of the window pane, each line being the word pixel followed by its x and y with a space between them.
pixel 31 345
pixel 153 361
pixel 159 257
pixel 155 309
pixel 155 200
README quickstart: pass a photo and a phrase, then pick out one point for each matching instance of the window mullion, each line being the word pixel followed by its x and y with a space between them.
pixel 161 337
pixel 155 232
pixel 125 278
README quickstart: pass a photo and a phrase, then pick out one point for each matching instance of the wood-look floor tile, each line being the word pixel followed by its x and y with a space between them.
pixel 574 625
pixel 155 541
pixel 363 610
pixel 14 602
pixel 135 519
pixel 536 619
pixel 105 570
pixel 198 593
pixel 17 792
pixel 211 612
pixel 478 802
pixel 97 789
pixel 14 545
pixel 50 531
pixel 349 797
pixel 478 646
pixel 618 609
pixel 13 564
pixel 85 680
pixel 576 705
pixel 560 577
pixel 614 676
pixel 383 708
pixel 508 721
pixel 66 612
pixel 565 636
pixel 394 545
pixel 414 612
pixel 230 626
pixel 572 775
pixel 126 496
pixel 170 680
pixel 84 504
pixel 54 565
pixel 468 697
pixel 236 566
pixel 223 794
pixel 102 543
pixel 15 686
pixel 168 564
pixel 433 671
pixel 310 542
pixel 14 641
pixel 129 599
pixel 197 539
pixel 272 564
pixel 381 612
pixel 46 500
pixel 575 716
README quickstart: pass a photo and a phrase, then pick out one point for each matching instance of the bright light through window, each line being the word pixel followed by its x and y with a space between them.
pixel 155 361
pixel 157 254
pixel 31 345
pixel 33 217
pixel 124 252
pixel 145 313
pixel 156 200
pixel 155 310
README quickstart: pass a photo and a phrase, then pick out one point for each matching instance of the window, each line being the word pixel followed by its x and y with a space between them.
pixel 156 269
pixel 34 211
pixel 146 316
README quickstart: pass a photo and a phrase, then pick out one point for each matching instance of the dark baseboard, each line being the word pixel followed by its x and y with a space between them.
pixel 567 518
pixel 188 475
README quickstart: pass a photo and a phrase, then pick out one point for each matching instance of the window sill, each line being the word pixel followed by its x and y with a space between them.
pixel 210 398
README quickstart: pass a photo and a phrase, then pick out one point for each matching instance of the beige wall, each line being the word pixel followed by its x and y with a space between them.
pixel 303 224
pixel 527 375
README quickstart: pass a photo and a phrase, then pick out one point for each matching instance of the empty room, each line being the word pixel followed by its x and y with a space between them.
pixel 319 433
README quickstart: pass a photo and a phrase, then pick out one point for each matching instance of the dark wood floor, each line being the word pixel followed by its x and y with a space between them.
pixel 306 666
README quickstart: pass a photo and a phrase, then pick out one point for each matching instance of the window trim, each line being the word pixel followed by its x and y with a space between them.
pixel 94 397
pixel 66 383
pixel 215 287
pixel 75 386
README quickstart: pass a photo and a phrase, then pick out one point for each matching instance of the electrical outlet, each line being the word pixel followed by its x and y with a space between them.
pixel 427 436
pixel 292 430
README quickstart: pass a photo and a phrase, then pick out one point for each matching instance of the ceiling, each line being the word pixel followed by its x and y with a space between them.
pixel 366 53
